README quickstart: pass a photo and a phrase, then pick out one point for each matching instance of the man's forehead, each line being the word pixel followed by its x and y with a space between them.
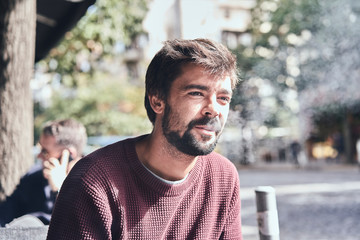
pixel 188 68
pixel 198 78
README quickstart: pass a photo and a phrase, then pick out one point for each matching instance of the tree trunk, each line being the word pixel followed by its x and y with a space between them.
pixel 17 46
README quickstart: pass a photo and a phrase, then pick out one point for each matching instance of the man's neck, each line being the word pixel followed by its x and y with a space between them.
pixel 163 159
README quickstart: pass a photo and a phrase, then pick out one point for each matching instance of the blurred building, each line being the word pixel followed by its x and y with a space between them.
pixel 221 20
pixel 224 21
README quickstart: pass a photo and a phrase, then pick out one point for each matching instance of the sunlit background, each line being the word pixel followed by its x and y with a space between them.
pixel 299 63
pixel 295 116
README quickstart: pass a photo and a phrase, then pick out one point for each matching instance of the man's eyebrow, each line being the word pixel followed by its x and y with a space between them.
pixel 205 88
pixel 195 86
pixel 226 91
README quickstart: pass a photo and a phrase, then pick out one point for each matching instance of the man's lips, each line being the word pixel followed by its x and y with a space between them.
pixel 207 126
pixel 206 130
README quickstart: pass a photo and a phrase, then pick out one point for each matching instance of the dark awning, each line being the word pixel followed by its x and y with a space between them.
pixel 54 19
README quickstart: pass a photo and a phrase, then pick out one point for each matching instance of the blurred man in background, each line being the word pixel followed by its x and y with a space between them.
pixel 62 144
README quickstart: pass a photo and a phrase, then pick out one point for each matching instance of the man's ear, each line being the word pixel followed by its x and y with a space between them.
pixel 156 104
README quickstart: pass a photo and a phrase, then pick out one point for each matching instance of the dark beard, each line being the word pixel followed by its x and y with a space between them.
pixel 187 143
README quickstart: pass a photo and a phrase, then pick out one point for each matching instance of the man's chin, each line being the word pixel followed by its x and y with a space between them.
pixel 193 143
pixel 207 139
pixel 206 150
pixel 199 147
pixel 206 147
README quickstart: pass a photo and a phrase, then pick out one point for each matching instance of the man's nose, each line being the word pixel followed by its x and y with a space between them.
pixel 212 107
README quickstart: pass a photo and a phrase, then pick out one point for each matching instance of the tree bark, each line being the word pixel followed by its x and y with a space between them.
pixel 17 47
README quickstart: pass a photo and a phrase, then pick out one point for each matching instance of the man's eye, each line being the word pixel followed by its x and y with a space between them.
pixel 195 93
pixel 225 99
pixel 44 152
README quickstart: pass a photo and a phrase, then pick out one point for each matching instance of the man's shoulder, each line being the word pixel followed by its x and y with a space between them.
pixel 34 174
pixel 114 150
pixel 107 157
pixel 220 172
pixel 219 162
pixel 220 159
pixel 32 181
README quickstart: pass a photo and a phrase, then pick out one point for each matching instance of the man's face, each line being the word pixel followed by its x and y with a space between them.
pixel 49 148
pixel 196 111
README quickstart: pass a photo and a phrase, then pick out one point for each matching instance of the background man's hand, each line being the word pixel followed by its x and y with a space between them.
pixel 55 171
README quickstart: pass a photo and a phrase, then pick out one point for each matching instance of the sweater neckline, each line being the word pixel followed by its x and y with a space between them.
pixel 153 182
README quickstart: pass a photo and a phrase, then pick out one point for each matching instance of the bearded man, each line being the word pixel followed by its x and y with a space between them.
pixel 168 184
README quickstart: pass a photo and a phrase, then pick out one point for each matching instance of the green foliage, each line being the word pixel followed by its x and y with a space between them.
pixel 290 25
pixel 278 29
pixel 87 75
pixel 286 17
pixel 106 107
pixel 300 46
pixel 107 26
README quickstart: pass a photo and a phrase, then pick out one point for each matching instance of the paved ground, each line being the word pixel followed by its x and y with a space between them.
pixel 320 202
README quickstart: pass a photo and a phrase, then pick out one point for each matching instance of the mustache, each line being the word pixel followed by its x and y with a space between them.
pixel 212 123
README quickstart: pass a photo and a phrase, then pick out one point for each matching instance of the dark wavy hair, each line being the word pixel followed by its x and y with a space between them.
pixel 167 65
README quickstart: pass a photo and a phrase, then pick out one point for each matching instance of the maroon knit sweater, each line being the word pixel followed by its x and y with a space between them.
pixel 110 195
